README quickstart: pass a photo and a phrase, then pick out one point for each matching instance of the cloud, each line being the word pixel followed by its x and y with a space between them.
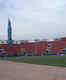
pixel 35 16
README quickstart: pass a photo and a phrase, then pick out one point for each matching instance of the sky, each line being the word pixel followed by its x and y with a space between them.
pixel 33 19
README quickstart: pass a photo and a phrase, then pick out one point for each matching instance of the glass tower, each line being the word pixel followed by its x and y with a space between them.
pixel 9 32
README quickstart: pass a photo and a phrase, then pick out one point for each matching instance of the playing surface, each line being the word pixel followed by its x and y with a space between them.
pixel 41 60
pixel 21 71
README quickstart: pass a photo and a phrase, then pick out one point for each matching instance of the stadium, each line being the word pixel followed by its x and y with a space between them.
pixel 33 48
pixel 25 48
pixel 32 39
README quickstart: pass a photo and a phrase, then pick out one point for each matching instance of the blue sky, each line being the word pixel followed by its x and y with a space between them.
pixel 33 19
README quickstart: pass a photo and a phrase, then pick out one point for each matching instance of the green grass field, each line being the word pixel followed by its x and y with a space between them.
pixel 42 60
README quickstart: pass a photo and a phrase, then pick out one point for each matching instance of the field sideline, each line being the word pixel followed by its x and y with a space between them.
pixel 41 60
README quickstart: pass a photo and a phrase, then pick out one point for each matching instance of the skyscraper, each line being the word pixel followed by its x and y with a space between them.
pixel 9 32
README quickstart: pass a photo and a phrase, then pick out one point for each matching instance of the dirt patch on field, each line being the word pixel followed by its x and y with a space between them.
pixel 20 71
